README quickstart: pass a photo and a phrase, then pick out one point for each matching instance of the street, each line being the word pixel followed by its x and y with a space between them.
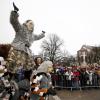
pixel 91 94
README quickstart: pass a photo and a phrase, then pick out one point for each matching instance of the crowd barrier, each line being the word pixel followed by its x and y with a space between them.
pixel 61 81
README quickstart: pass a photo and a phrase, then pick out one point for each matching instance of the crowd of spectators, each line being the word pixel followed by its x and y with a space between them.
pixel 76 77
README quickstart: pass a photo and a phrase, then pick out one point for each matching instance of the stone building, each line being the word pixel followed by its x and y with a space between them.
pixel 82 54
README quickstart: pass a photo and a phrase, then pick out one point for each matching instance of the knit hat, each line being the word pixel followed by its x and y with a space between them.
pixel 44 67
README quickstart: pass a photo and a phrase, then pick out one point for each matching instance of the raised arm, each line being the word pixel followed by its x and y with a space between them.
pixel 14 19
pixel 40 36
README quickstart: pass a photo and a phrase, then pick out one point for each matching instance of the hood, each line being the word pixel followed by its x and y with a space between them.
pixel 44 67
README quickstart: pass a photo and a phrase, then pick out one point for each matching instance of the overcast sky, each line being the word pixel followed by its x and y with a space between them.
pixel 76 22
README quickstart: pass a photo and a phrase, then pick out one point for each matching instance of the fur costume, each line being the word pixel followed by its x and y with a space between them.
pixel 7 89
pixel 20 50
pixel 23 38
pixel 17 57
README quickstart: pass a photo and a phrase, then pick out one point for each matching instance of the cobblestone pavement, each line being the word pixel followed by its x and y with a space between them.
pixel 92 94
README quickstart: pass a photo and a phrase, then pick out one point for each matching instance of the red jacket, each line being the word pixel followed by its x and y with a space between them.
pixel 76 75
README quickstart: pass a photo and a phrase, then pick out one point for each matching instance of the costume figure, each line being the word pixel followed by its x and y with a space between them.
pixel 41 85
pixel 23 90
pixel 7 87
pixel 41 81
pixel 24 37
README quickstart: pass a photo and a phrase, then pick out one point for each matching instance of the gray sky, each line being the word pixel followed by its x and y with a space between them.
pixel 76 22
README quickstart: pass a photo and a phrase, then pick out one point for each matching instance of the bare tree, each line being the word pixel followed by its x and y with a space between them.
pixel 51 47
